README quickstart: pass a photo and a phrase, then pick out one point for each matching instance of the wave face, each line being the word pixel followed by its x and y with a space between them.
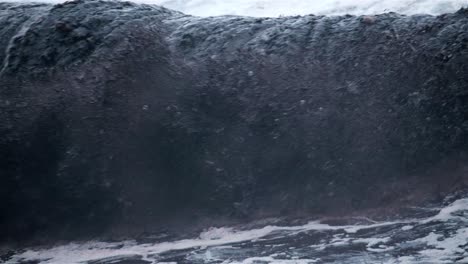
pixel 119 114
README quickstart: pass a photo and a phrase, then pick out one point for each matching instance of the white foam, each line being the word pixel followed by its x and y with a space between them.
pixel 442 246
pixel 271 260
pixel 407 227
pixel 457 210
pixel 75 253
pixel 216 233
pixel 440 249
pixel 274 8
pixel 448 246
pixel 373 244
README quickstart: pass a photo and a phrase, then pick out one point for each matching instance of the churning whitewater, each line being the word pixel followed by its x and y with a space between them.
pixel 274 8
pixel 440 235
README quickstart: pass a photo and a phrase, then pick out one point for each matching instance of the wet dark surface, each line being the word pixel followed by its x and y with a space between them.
pixel 120 119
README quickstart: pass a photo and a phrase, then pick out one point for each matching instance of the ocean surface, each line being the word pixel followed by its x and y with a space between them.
pixel 429 235
pixel 424 235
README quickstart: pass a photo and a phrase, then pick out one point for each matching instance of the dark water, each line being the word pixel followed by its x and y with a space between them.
pixel 115 114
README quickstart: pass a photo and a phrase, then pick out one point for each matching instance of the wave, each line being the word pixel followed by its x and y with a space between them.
pixel 275 8
pixel 121 116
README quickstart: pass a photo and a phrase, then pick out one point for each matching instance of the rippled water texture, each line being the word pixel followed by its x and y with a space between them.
pixel 441 237
pixel 117 114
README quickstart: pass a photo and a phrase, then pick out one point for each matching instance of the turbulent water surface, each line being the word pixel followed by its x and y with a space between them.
pixel 432 235
pixel 272 8
pixel 138 126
